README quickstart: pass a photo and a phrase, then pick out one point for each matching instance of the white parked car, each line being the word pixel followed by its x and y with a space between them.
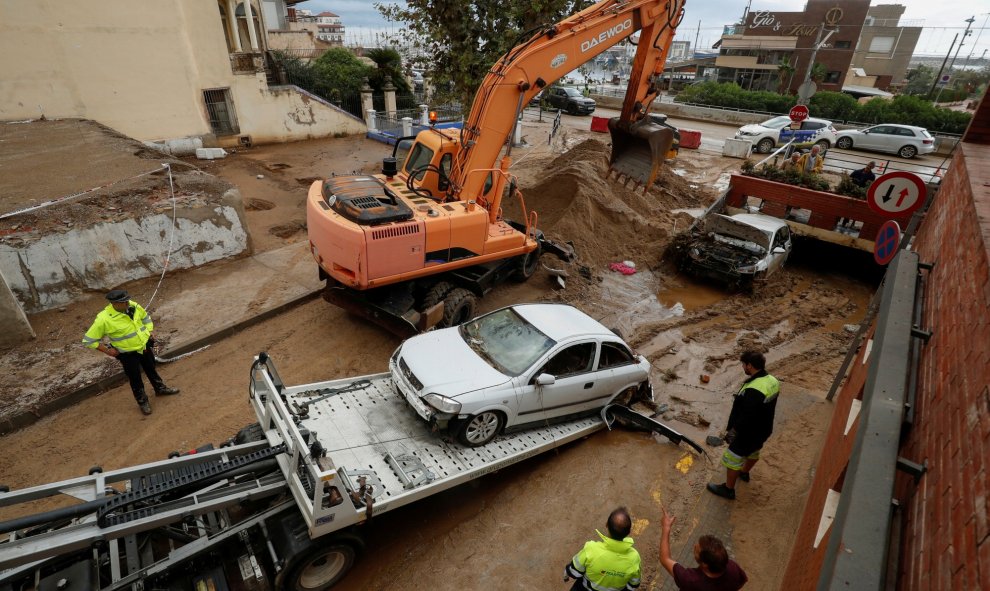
pixel 738 249
pixel 524 364
pixel 777 131
pixel 906 141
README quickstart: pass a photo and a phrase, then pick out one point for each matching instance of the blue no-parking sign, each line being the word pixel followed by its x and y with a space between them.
pixel 888 239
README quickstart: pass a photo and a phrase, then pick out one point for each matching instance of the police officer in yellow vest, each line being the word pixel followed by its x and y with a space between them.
pixel 127 327
pixel 609 565
pixel 750 423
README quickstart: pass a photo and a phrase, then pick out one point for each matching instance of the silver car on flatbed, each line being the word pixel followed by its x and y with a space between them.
pixel 521 365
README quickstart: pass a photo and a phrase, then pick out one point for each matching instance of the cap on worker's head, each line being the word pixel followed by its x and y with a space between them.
pixel 118 295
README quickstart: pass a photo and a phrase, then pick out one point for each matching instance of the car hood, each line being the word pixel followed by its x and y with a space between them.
pixel 849 132
pixel 753 128
pixel 727 226
pixel 445 365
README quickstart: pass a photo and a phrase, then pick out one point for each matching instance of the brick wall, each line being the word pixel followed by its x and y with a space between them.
pixel 944 519
pixel 826 208
pixel 946 531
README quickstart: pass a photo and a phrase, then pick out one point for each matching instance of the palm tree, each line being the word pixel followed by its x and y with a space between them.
pixel 784 72
pixel 818 72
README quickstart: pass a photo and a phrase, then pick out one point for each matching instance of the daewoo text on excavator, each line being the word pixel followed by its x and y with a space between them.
pixel 414 247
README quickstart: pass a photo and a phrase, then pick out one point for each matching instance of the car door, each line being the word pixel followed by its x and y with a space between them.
pixel 782 239
pixel 880 138
pixel 617 367
pixel 576 383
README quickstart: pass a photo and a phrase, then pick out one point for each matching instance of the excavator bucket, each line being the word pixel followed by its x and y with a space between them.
pixel 638 149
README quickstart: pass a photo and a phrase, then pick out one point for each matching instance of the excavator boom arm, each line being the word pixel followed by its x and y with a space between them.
pixel 546 58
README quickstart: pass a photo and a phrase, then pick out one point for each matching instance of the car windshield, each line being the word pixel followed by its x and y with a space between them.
pixel 776 122
pixel 506 341
pixel 572 91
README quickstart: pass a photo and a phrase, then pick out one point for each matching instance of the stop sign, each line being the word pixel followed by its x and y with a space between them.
pixel 798 113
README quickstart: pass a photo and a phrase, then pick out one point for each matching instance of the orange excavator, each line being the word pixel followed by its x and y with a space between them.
pixel 414 247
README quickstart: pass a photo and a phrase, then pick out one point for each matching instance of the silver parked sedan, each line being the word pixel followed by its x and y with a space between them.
pixel 520 365
pixel 906 141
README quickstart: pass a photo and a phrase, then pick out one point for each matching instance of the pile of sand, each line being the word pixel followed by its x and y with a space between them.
pixel 606 220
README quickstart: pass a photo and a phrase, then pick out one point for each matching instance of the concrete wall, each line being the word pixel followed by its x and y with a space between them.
pixel 138 67
pixel 54 269
pixel 947 526
pixel 289 113
pixel 14 326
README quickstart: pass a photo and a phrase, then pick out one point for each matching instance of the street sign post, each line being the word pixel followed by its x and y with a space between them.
pixel 886 243
pixel 896 193
pixel 798 113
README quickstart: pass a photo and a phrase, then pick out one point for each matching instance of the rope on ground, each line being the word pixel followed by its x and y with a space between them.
pixel 171 236
pixel 178 357
pixel 66 198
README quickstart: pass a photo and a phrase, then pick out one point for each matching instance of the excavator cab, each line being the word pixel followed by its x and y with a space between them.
pixel 640 147
pixel 425 162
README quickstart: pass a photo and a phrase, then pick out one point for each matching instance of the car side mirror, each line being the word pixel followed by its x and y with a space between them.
pixel 545 379
pixel 779 250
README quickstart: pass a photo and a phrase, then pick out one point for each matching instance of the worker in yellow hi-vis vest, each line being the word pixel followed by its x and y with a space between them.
pixel 750 423
pixel 611 564
pixel 126 327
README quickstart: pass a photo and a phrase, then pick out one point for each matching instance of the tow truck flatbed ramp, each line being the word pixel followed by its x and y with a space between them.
pixel 371 431
pixel 362 429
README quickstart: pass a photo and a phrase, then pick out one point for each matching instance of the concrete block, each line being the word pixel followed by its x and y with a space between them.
pixel 210 153
pixel 737 148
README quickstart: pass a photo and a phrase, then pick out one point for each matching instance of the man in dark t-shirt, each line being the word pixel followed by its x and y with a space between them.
pixel 715 570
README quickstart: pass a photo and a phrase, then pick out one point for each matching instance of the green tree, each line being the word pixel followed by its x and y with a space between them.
pixel 818 72
pixel 784 72
pixel 461 39
pixel 339 69
pixel 388 64
pixel 919 80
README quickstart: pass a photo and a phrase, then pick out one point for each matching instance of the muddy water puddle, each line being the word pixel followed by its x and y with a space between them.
pixel 691 296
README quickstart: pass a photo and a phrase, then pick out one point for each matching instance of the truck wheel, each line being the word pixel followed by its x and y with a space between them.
pixel 458 307
pixel 527 264
pixel 481 428
pixel 436 294
pixel 319 566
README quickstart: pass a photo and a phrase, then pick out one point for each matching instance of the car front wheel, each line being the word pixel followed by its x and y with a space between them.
pixel 907 152
pixel 481 428
pixel 843 143
pixel 765 146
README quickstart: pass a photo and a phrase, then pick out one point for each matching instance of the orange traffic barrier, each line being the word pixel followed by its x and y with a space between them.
pixel 690 138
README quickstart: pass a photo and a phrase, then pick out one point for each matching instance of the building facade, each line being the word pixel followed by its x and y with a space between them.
pixel 885 47
pixel 161 71
pixel 774 50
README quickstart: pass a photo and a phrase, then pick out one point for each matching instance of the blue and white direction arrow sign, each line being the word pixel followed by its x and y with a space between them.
pixel 896 193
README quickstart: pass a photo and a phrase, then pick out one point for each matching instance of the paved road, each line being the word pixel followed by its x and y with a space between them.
pixel 713 137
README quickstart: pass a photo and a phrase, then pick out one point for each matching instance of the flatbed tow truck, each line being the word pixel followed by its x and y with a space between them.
pixel 276 507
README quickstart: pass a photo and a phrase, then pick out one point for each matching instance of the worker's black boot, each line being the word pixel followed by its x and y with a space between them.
pixel 145 407
pixel 722 491
pixel 164 390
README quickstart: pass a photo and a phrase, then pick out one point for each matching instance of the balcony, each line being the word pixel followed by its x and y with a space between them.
pixel 246 62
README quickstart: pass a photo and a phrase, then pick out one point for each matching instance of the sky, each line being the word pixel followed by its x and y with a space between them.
pixel 942 20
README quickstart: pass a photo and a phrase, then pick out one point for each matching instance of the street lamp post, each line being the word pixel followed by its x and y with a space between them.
pixel 969 23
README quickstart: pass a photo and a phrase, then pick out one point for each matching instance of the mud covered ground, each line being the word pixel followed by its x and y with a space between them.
pixel 516 528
